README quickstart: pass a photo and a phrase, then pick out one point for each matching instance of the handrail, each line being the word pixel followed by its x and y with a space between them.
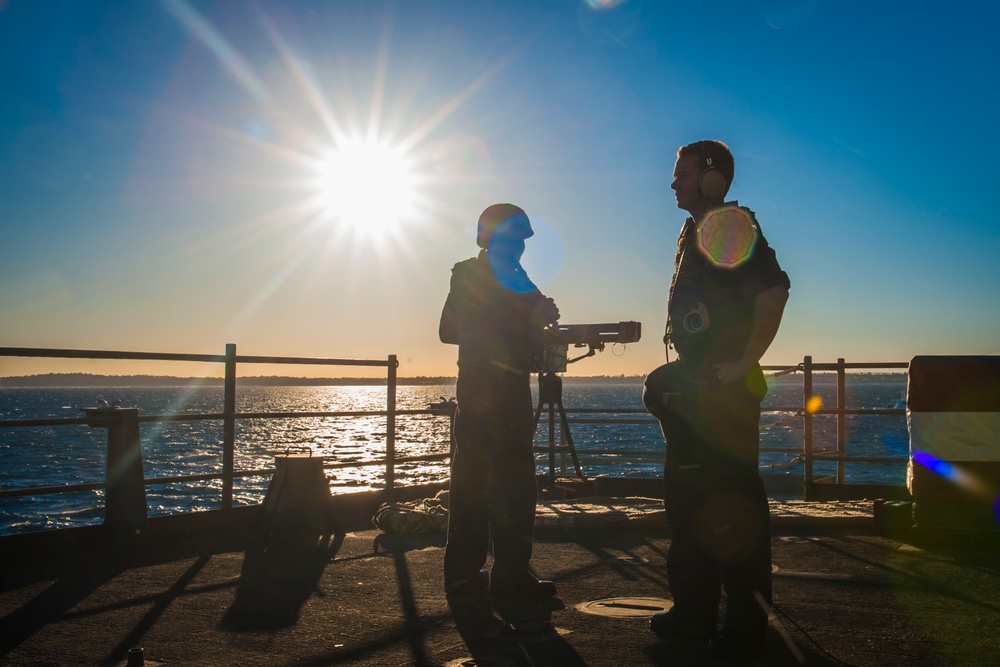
pixel 807 411
pixel 231 361
pixel 229 415
pixel 841 411
pixel 53 353
pixel 152 481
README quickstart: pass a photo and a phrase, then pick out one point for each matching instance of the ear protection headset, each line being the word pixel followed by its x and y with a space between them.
pixel 711 182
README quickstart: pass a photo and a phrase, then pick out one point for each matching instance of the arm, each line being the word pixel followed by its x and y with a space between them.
pixel 769 306
pixel 448 328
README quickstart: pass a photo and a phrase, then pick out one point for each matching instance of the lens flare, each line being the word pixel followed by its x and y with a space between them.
pixel 960 477
pixel 939 467
pixel 604 4
pixel 813 405
pixel 230 58
pixel 727 237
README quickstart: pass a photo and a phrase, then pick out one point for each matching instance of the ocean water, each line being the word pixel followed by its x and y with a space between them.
pixel 75 454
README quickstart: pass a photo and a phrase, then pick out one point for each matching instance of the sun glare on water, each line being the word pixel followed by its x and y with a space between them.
pixel 367 186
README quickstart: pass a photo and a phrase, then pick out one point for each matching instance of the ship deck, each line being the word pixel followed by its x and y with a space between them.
pixel 844 594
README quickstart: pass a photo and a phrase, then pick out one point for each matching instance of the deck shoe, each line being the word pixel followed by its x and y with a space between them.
pixel 666 625
pixel 736 647
pixel 476 585
pixel 528 588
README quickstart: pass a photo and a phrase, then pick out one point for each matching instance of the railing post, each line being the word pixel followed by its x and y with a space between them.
pixel 807 426
pixel 125 489
pixel 229 429
pixel 390 427
pixel 841 422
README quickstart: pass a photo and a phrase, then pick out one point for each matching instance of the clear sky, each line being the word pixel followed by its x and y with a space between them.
pixel 299 177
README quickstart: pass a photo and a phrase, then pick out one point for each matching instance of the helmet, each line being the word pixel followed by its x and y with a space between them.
pixel 513 219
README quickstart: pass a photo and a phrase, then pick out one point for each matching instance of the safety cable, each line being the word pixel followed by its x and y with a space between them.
pixel 791 644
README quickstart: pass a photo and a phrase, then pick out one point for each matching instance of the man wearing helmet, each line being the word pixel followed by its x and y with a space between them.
pixel 495 314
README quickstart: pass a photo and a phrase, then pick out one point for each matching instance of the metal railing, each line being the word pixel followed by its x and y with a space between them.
pixel 229 416
pixel 841 411
pixel 808 410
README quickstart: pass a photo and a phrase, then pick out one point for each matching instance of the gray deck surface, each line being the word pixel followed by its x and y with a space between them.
pixel 842 594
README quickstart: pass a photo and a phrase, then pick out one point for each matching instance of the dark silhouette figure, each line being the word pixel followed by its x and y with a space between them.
pixel 726 301
pixel 495 314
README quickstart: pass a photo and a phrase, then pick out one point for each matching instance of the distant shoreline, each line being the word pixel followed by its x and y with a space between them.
pixel 83 380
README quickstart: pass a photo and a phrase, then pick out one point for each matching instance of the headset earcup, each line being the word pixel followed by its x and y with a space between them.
pixel 712 184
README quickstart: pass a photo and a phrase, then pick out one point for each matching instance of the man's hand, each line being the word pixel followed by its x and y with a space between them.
pixel 546 312
pixel 768 308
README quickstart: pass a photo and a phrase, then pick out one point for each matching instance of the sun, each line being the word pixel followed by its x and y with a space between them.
pixel 367 186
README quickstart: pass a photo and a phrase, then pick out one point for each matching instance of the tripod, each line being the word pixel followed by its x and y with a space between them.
pixel 550 394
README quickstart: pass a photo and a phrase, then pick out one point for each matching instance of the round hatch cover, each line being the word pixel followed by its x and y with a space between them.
pixel 482 661
pixel 626 606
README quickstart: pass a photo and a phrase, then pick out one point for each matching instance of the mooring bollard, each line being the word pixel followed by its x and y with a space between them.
pixel 125 488
pixel 297 505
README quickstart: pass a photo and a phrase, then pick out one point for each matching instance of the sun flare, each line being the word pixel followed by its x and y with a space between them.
pixel 367 186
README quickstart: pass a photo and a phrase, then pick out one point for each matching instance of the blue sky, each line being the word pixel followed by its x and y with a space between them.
pixel 162 169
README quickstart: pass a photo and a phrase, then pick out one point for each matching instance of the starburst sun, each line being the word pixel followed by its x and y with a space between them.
pixel 367 185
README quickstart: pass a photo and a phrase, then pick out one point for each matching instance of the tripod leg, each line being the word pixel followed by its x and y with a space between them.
pixel 538 417
pixel 552 445
pixel 569 440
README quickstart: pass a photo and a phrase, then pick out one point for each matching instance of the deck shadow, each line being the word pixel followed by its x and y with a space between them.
pixel 54 602
pixel 511 633
pixel 276 580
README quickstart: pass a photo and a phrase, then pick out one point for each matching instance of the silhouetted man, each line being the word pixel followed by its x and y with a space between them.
pixel 726 300
pixel 495 314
